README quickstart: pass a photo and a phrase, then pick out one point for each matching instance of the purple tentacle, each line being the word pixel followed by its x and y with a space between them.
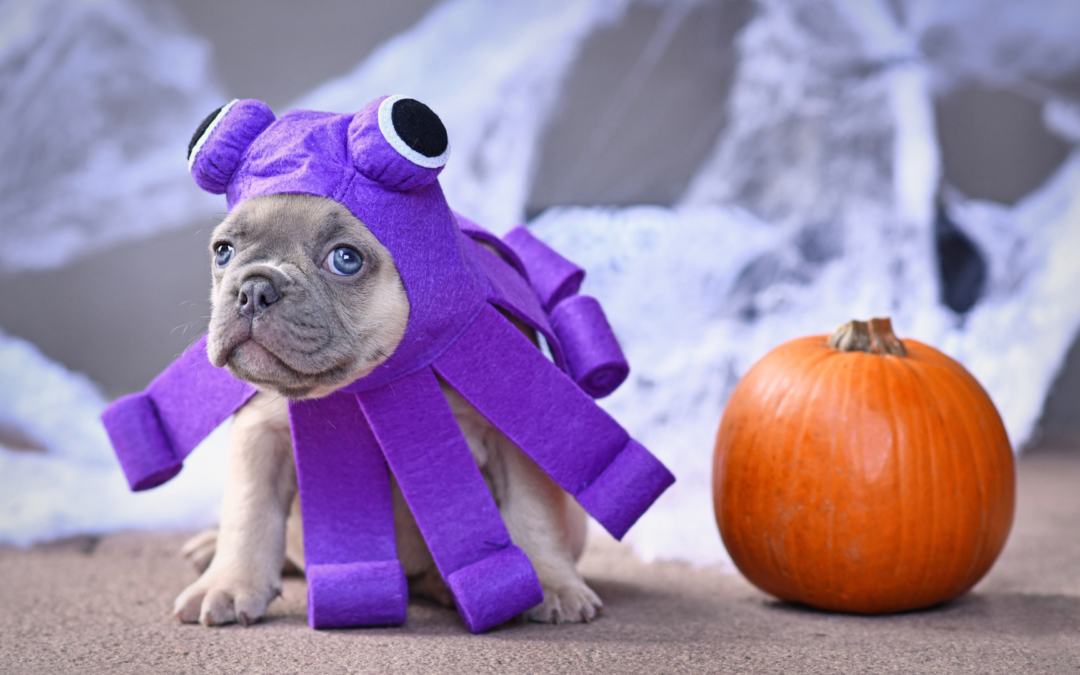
pixel 554 422
pixel 491 578
pixel 552 276
pixel 153 431
pixel 350 553
pixel 596 361
pixel 509 291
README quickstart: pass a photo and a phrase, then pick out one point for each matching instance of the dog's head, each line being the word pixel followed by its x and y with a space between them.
pixel 340 257
pixel 305 299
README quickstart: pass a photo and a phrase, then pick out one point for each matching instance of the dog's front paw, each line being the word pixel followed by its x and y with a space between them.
pixel 220 597
pixel 570 602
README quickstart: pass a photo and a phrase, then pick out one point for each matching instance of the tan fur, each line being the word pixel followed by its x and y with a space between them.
pixel 260 527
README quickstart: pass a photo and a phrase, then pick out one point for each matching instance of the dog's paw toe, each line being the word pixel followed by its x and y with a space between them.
pixel 569 603
pixel 187 606
pixel 217 608
pixel 214 602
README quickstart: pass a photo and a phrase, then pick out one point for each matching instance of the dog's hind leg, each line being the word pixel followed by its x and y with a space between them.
pixel 199 550
pixel 546 523
pixel 542 519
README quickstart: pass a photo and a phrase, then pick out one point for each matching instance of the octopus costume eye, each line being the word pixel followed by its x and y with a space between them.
pixel 417 133
pixel 202 134
pixel 220 141
pixel 398 143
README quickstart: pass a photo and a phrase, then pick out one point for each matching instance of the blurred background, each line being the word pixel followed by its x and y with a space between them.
pixel 731 173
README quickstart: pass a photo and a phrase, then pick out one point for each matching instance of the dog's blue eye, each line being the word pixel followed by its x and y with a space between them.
pixel 344 261
pixel 223 254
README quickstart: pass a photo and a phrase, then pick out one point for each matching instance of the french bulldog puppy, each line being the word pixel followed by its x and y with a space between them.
pixel 306 300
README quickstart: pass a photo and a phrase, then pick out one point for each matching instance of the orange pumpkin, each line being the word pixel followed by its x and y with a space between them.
pixel 859 473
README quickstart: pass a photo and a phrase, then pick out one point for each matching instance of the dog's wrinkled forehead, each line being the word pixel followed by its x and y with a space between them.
pixel 284 227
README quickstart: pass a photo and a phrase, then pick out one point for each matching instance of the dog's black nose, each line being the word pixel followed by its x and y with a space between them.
pixel 256 295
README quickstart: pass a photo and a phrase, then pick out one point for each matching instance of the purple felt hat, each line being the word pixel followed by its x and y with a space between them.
pixel 381 163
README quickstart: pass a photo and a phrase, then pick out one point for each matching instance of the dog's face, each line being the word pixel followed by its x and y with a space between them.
pixel 305 299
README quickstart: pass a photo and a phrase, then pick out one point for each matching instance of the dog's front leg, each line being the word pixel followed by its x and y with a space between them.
pixel 245 573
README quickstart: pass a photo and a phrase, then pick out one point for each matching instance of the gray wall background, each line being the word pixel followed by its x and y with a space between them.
pixel 993 143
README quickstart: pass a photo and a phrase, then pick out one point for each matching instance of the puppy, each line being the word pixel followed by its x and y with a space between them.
pixel 306 300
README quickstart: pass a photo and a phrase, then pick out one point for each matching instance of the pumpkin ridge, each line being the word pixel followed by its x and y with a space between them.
pixel 831 369
pixel 975 433
pixel 870 393
pixel 940 395
pixel 900 450
pixel 851 409
pixel 773 396
pixel 988 432
pixel 784 569
pixel 730 490
pixel 879 518
pixel 846 401
pixel 954 440
pixel 922 442
pixel 986 550
pixel 936 426
pixel 822 382
pixel 738 489
pixel 755 480
pixel 806 371
pixel 829 485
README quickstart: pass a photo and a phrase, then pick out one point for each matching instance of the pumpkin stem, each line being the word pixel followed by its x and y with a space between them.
pixel 873 337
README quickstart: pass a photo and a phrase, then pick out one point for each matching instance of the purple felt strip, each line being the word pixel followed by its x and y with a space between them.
pixel 537 406
pixel 552 420
pixel 154 431
pixel 145 454
pixel 508 290
pixel 350 554
pixel 626 489
pixel 193 397
pixel 596 361
pixel 495 586
pixel 356 594
pixel 447 495
pixel 552 276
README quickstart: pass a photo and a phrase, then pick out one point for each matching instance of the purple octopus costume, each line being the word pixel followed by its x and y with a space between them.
pixel 381 163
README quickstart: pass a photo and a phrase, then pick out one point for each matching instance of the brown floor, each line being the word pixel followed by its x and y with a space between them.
pixel 92 606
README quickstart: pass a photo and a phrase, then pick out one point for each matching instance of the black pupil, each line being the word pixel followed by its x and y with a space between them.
pixel 347 261
pixel 223 253
pixel 419 127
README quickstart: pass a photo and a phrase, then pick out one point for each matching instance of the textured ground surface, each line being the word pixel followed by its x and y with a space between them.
pixel 91 606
